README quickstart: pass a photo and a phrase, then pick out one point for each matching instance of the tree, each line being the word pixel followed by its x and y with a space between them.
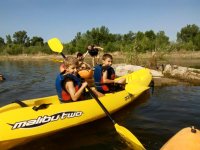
pixel 20 37
pixel 197 41
pixel 188 33
pixel 9 40
pixel 150 35
pixel 98 36
pixel 36 41
pixel 151 40
pixel 2 43
pixel 161 40
pixel 129 37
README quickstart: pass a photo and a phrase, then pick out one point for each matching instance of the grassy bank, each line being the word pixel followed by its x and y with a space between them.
pixel 183 58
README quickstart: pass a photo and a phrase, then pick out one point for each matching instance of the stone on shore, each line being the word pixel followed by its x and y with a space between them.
pixel 123 69
pixel 184 73
pixel 170 75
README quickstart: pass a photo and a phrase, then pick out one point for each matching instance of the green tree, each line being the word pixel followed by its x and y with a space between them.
pixel 150 43
pixel 20 37
pixel 162 41
pixel 9 40
pixel 98 36
pixel 129 37
pixel 150 35
pixel 188 33
pixel 36 41
pixel 2 42
pixel 197 41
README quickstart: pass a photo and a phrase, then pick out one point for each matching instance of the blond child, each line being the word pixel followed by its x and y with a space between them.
pixel 68 85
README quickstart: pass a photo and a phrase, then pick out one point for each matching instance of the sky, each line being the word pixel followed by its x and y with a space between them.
pixel 65 18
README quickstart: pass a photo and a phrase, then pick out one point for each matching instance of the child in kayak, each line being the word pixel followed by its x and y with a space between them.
pixel 68 85
pixel 104 75
pixel 93 51
pixel 82 65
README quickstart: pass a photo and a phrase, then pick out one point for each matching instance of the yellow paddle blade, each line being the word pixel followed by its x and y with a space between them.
pixel 130 139
pixel 57 60
pixel 135 88
pixel 55 45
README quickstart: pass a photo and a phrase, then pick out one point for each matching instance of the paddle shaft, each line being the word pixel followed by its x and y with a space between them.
pixel 101 105
pixel 63 55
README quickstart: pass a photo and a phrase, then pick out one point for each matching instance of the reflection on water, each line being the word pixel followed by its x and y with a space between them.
pixel 152 118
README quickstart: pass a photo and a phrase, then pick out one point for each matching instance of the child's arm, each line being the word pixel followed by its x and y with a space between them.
pixel 71 89
pixel 99 48
pixel 84 55
pixel 105 78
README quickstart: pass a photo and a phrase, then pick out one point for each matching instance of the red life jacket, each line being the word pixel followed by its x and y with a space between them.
pixel 61 80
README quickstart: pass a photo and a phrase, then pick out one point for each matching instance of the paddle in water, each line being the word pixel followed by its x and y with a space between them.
pixel 132 141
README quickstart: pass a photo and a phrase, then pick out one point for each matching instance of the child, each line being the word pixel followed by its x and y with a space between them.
pixel 70 87
pixel 83 65
pixel 93 51
pixel 81 57
pixel 104 75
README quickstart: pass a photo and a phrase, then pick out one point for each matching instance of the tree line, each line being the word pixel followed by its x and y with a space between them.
pixel 188 38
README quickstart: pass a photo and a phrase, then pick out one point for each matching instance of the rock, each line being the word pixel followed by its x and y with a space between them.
pixel 167 69
pixel 156 74
pixel 184 73
pixel 123 69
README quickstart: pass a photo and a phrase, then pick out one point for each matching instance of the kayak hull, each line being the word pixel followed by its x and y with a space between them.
pixel 185 139
pixel 46 115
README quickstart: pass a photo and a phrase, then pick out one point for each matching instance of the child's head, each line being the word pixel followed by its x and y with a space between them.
pixel 71 64
pixel 90 47
pixel 79 56
pixel 107 60
pixel 84 66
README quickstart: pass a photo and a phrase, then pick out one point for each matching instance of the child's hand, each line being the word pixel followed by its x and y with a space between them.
pixel 121 81
pixel 84 84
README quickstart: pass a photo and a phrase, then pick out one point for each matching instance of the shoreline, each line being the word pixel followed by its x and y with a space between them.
pixel 159 55
pixel 181 59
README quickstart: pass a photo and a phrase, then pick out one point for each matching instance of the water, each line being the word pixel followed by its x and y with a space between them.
pixel 152 118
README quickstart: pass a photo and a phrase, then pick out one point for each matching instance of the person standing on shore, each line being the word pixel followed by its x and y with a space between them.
pixel 93 51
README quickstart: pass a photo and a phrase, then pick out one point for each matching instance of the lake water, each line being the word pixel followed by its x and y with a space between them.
pixel 152 118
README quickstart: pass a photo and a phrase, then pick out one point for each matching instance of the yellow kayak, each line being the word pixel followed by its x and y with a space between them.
pixel 186 139
pixel 28 119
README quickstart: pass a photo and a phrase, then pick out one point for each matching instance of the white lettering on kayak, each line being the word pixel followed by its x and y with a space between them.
pixel 41 120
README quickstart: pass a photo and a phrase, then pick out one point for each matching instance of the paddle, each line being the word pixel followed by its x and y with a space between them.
pixel 132 141
pixel 56 46
pixel 57 60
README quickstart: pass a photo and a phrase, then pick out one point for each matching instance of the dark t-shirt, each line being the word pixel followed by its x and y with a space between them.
pixel 93 52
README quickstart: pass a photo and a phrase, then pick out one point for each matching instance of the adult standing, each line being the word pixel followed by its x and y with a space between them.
pixel 93 51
